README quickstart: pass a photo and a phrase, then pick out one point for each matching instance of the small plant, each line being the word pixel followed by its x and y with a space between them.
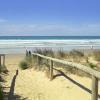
pixel 92 65
pixel 23 65
pixel 3 69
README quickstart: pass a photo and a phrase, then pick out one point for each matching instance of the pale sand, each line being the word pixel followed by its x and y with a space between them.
pixel 34 85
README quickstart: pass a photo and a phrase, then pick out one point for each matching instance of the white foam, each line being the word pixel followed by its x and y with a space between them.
pixel 18 44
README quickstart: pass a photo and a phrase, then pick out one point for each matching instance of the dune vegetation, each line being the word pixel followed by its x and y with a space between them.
pixel 43 65
pixel 3 70
pixel 77 56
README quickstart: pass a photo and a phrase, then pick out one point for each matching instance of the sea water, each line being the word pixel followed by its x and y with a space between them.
pixel 19 44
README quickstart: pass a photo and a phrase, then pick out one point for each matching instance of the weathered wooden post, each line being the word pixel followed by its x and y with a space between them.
pixel 29 53
pixel 38 62
pixel 94 88
pixel 26 53
pixel 51 69
pixel 49 61
pixel 3 60
pixel 0 60
pixel 32 59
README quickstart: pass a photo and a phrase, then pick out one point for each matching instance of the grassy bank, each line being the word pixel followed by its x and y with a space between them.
pixel 78 56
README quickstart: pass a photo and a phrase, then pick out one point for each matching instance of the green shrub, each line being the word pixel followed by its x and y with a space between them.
pixel 3 69
pixel 92 65
pixel 23 65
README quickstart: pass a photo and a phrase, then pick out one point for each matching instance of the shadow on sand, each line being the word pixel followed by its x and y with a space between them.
pixel 11 95
pixel 73 81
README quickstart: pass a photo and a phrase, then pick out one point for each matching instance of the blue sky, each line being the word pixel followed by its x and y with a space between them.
pixel 50 17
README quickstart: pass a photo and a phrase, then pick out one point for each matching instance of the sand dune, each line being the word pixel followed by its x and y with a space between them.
pixel 34 85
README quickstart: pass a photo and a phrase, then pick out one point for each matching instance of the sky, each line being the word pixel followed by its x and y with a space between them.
pixel 50 17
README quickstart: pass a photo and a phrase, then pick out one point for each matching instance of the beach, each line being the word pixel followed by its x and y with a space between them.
pixel 33 84
pixel 30 84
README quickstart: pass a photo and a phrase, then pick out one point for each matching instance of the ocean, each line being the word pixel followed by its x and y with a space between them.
pixel 19 44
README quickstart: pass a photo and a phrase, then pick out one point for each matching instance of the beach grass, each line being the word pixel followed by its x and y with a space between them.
pixel 77 56
pixel 23 65
pixel 26 62
pixel 4 70
pixel 1 94
pixel 96 54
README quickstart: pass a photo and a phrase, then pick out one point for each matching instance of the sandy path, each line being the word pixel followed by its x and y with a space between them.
pixel 11 62
pixel 39 87
pixel 34 85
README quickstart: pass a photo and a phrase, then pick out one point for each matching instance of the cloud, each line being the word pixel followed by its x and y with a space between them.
pixel 49 29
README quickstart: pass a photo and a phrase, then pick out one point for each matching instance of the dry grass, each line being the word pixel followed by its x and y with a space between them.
pixel 45 52
pixel 61 54
pixel 4 70
pixel 73 56
pixel 96 55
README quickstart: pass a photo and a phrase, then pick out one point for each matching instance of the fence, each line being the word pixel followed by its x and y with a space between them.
pixel 95 74
pixel 2 59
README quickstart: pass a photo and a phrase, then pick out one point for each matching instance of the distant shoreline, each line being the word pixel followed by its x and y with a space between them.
pixel 19 44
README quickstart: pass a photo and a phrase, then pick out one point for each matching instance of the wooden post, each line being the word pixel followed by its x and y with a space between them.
pixel 49 61
pixel 51 70
pixel 32 60
pixel 37 60
pixel 0 60
pixel 3 60
pixel 26 53
pixel 94 88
